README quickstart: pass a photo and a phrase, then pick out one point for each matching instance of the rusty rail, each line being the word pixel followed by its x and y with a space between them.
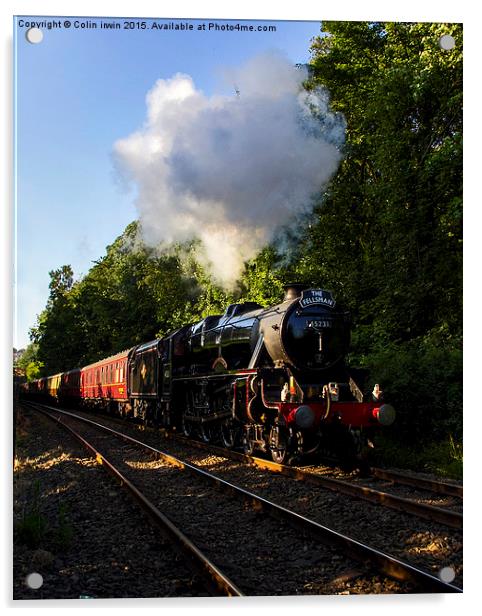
pixel 454 519
pixel 216 581
pixel 447 517
pixel 440 487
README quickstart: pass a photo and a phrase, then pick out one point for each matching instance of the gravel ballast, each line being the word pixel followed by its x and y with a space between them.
pixel 423 543
pixel 79 530
pixel 259 553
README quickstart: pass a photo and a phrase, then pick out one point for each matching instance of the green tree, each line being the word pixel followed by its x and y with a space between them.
pixel 57 326
pixel 391 225
pixel 387 236
pixel 29 363
pixel 131 295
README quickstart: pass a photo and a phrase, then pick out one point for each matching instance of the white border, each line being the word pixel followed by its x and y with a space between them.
pixel 403 10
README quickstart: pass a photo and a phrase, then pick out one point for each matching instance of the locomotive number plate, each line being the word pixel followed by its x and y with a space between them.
pixel 319 324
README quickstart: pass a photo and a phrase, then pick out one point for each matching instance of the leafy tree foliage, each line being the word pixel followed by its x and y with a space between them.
pixel 131 295
pixel 388 235
pixel 29 363
pixel 394 209
pixel 57 325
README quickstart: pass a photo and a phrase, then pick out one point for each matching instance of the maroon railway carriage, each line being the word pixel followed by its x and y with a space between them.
pixel 69 388
pixel 104 383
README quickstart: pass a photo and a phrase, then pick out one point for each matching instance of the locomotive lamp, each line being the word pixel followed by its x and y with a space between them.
pixel 285 393
pixel 334 390
pixel 377 393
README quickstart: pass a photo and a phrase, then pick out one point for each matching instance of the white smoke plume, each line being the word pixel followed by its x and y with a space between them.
pixel 230 170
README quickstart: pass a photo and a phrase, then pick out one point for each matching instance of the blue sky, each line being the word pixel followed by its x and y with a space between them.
pixel 77 92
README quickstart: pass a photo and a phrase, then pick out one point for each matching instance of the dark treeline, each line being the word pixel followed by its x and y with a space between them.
pixel 386 237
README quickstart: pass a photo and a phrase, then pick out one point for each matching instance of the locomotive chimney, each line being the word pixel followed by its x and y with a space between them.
pixel 293 290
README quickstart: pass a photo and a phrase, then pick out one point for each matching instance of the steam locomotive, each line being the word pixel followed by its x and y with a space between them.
pixel 264 379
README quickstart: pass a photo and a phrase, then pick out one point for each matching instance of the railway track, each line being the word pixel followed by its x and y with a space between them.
pixel 448 517
pixel 91 539
pixel 216 582
pixel 302 529
pixel 440 487
pixel 359 489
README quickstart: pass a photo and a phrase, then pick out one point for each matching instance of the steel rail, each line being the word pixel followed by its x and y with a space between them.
pixel 441 487
pixel 447 517
pixel 454 519
pixel 217 582
pixel 384 563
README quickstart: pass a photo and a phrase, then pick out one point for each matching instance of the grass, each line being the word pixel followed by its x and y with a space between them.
pixel 444 458
pixel 31 529
pixel 64 532
pixel 35 531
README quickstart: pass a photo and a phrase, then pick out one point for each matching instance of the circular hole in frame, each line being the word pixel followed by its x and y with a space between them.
pixel 34 35
pixel 34 581
pixel 446 42
pixel 447 574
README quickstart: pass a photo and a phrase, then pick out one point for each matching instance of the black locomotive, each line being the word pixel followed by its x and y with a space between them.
pixel 271 379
